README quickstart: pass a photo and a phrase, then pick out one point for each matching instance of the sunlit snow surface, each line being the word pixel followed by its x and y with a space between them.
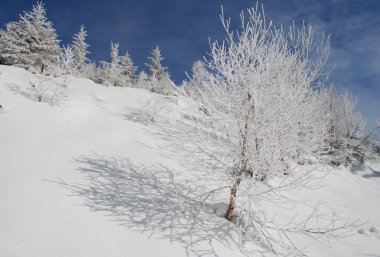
pixel 94 172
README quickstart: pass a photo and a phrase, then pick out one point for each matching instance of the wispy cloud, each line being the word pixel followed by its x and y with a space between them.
pixel 354 27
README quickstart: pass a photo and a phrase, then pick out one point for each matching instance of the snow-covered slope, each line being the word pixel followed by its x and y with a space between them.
pixel 89 174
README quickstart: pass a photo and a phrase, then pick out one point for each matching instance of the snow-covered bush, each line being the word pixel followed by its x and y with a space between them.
pixel 151 111
pixel 348 141
pixel 41 88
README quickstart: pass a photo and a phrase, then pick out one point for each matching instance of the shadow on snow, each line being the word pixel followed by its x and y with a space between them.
pixel 148 199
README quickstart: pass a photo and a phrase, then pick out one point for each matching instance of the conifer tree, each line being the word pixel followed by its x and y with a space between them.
pixel 200 77
pixel 115 59
pixel 159 81
pixel 31 42
pixel 128 69
pixel 142 80
pixel 80 49
pixel 13 50
pixel 114 68
pixel 155 67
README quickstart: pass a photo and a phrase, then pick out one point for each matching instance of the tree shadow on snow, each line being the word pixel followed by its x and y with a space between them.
pixel 149 199
pixel 46 91
pixel 375 174
pixel 368 171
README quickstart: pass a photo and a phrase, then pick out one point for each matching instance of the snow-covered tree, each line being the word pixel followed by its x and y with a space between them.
pixel 261 100
pixel 100 73
pixel 200 73
pixel 142 80
pixel 68 60
pixel 128 69
pixel 345 120
pixel 159 77
pixel 31 42
pixel 80 49
pixel 14 50
pixel 346 127
pixel 114 67
pixel 199 78
pixel 115 58
pixel 119 72
pixel 155 67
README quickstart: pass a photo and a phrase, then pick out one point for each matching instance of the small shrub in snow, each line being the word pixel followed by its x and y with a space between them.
pixel 41 88
pixel 151 111
pixel 46 90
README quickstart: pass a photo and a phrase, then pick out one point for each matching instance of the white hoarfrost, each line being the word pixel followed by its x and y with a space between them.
pixel 68 61
pixel 260 95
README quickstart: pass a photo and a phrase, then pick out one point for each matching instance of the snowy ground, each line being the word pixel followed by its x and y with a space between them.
pixel 94 174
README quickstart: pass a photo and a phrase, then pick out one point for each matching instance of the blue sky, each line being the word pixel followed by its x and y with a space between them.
pixel 181 28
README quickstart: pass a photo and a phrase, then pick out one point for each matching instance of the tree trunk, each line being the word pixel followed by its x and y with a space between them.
pixel 231 205
pixel 42 68
pixel 242 168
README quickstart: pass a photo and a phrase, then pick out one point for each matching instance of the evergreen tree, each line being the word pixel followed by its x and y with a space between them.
pixel 142 80
pixel 200 78
pixel 114 68
pixel 98 73
pixel 128 69
pixel 159 80
pixel 155 67
pixel 31 42
pixel 13 50
pixel 80 49
pixel 115 58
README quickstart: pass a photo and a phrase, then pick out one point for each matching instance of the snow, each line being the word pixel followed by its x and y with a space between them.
pixel 93 175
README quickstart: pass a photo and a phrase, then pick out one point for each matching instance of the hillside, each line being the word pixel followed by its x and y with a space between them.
pixel 96 172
